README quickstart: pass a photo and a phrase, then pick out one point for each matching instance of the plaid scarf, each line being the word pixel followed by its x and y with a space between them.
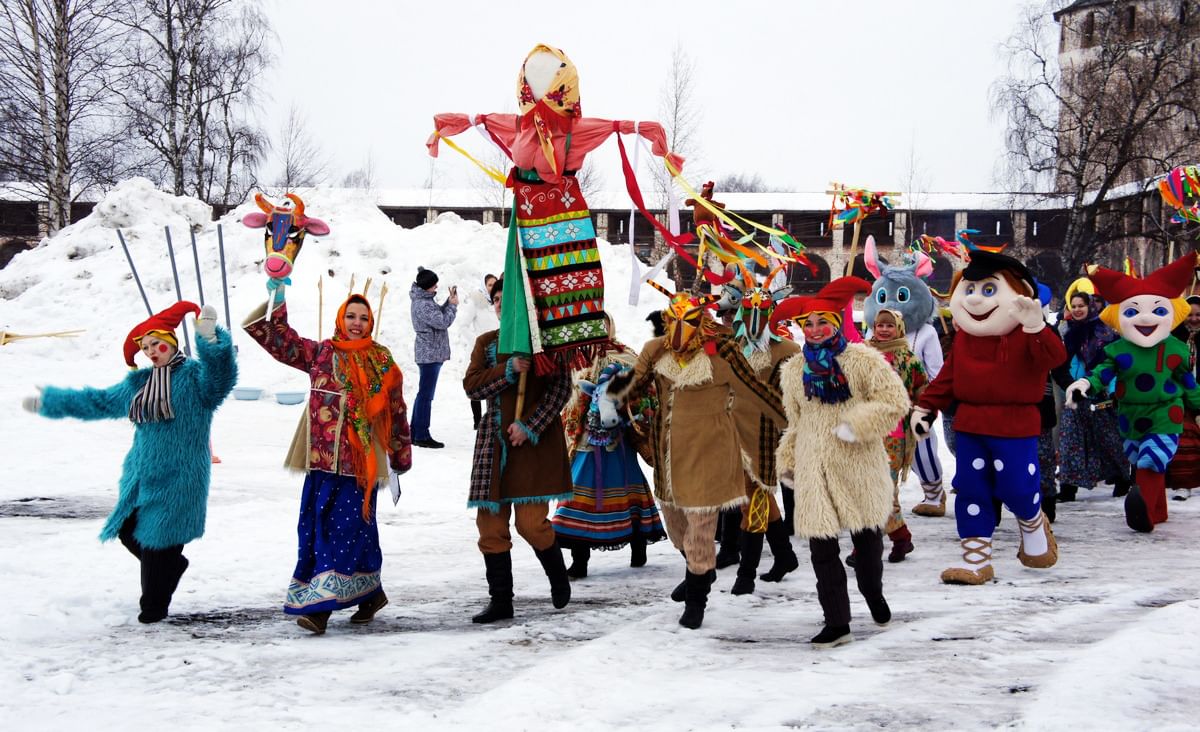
pixel 152 403
pixel 823 378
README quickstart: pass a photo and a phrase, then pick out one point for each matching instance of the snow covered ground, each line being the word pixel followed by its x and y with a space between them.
pixel 1106 640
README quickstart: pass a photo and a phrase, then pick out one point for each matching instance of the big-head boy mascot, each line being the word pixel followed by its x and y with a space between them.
pixel 1154 381
pixel 996 373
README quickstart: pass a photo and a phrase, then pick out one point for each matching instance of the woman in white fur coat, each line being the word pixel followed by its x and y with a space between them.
pixel 841 399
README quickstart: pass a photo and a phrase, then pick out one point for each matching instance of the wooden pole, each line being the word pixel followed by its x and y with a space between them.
pixel 853 248
pixel 383 291
pixel 521 394
pixel 320 307
pixel 187 341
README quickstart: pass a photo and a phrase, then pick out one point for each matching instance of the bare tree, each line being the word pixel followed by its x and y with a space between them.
pixel 590 178
pixel 192 68
pixel 304 162
pixel 741 183
pixel 1123 107
pixel 363 177
pixel 680 115
pixel 55 97
pixel 916 180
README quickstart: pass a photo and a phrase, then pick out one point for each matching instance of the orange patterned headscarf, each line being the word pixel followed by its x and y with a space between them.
pixel 552 114
pixel 371 375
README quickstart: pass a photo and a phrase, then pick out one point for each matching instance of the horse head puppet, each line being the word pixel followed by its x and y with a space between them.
pixel 753 303
pixel 286 227
pixel 604 412
pixel 900 287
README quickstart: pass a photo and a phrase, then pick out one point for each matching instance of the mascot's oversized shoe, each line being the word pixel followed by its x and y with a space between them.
pixel 1046 559
pixel 976 568
pixel 1137 515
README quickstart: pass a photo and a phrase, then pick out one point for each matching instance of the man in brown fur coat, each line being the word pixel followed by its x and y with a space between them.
pixel 708 395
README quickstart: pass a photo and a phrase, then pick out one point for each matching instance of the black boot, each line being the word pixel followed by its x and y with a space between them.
pixel 556 572
pixel 751 546
pixel 637 548
pixel 698 586
pixel 781 549
pixel 731 528
pixel 868 573
pixel 789 510
pixel 579 562
pixel 679 594
pixel 161 571
pixel 1137 516
pixel 1067 492
pixel 500 583
pixel 1121 486
pixel 1050 505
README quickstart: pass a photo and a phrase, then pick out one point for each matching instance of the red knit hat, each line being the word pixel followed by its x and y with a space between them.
pixel 1169 281
pixel 833 298
pixel 167 321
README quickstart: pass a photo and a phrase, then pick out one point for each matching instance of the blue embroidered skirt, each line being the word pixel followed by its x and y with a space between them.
pixel 338 559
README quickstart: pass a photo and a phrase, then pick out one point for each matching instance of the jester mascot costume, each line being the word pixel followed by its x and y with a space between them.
pixel 1153 379
pixel 711 407
pixel 753 305
pixel 996 374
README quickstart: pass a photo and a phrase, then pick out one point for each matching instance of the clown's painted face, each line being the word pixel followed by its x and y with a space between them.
pixel 1146 320
pixel 983 307
pixel 818 328
pixel 684 320
pixel 159 352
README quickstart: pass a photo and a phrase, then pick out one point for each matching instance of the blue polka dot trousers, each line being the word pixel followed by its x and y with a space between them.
pixel 994 468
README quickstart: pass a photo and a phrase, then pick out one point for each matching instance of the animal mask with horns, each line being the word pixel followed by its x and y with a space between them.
pixel 285 227
pixel 688 322
pixel 754 304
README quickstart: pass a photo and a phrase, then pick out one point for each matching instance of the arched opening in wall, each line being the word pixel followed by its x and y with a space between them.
pixel 860 268
pixel 803 281
pixel 1048 269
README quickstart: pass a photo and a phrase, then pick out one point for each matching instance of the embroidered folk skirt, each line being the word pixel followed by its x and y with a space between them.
pixel 1184 469
pixel 1089 447
pixel 610 517
pixel 338 559
pixel 562 261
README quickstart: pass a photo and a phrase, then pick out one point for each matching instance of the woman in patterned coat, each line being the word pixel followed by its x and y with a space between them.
pixel 354 436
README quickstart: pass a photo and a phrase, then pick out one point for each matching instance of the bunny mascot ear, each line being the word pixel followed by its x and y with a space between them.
pixel 871 258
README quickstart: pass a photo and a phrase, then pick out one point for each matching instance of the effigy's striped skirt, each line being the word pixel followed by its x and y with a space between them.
pixel 558 242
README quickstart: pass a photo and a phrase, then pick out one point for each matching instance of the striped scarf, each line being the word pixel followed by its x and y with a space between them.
pixel 153 402
pixel 823 378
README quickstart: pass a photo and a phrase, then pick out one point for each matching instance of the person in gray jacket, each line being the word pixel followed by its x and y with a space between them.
pixel 431 322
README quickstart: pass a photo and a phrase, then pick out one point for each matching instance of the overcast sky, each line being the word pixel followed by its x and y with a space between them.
pixel 801 93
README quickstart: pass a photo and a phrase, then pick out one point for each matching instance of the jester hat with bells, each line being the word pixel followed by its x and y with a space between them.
pixel 1136 309
pixel 753 305
pixel 831 301
pixel 550 110
pixel 161 325
pixel 689 323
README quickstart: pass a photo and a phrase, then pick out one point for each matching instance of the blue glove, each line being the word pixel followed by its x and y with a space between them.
pixel 275 285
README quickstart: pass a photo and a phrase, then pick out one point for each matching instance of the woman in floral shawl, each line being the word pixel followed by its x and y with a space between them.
pixel 354 436
pixel 1089 444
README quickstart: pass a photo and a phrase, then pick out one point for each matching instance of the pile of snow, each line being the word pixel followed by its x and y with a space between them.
pixel 80 279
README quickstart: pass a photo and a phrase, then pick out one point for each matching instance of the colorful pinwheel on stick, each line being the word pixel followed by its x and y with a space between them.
pixel 852 205
pixel 1180 185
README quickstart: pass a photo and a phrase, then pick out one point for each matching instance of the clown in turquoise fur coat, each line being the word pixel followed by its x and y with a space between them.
pixel 166 473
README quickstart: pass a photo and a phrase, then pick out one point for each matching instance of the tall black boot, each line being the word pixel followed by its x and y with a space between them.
pixel 1067 492
pixel 789 510
pixel 500 583
pixel 751 546
pixel 868 572
pixel 781 549
pixel 679 594
pixel 831 591
pixel 556 571
pixel 579 562
pixel 637 547
pixel 698 586
pixel 161 571
pixel 731 527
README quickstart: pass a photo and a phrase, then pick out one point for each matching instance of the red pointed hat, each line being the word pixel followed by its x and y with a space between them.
pixel 833 298
pixel 166 320
pixel 1169 281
